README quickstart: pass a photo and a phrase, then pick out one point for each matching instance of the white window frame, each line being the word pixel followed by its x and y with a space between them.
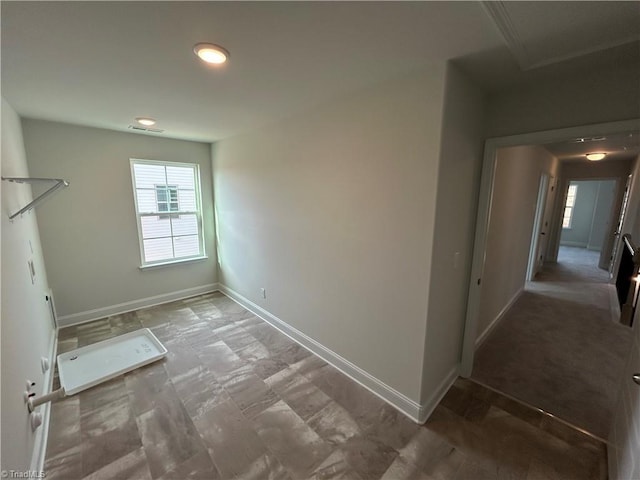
pixel 197 212
pixel 568 218
pixel 167 189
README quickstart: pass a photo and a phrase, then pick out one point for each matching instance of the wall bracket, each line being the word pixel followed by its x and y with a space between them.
pixel 58 184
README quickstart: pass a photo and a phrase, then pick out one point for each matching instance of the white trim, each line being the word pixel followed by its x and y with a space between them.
pixel 541 206
pixel 510 33
pixel 198 212
pixel 484 208
pixel 52 308
pixel 404 404
pixel 95 314
pixel 494 323
pixel 427 408
pixel 179 261
pixel 498 13
pixel 42 434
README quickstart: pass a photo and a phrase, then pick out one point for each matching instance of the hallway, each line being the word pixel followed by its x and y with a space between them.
pixel 559 348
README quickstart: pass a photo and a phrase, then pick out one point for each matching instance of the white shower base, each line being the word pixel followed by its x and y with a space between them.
pixel 89 366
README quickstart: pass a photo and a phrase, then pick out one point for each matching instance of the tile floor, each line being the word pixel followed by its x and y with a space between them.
pixel 235 398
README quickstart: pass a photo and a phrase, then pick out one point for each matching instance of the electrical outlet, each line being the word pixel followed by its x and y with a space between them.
pixel 263 292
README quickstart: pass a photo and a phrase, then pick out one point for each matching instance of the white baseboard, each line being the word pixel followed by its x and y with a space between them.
pixel 90 315
pixel 427 408
pixel 494 323
pixel 412 409
pixel 42 434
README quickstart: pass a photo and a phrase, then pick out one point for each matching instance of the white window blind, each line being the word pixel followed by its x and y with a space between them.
pixel 168 208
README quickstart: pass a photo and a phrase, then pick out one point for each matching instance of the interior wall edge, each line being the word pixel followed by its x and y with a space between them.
pixel 95 314
pixel 412 409
pixel 27 325
pixel 428 406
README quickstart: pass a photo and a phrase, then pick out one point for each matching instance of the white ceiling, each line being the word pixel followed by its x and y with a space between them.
pixel 104 63
pixel 620 146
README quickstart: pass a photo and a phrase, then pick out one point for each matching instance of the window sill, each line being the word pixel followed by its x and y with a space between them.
pixel 173 262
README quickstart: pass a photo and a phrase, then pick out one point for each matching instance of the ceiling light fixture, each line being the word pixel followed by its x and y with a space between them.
pixel 210 53
pixel 146 121
pixel 594 157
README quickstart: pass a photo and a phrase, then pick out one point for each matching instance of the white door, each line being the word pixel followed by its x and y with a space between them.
pixel 545 229
pixel 624 438
pixel 539 235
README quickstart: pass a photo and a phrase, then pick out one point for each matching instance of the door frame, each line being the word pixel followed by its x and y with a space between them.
pixel 617 230
pixel 538 224
pixel 485 198
pixel 616 203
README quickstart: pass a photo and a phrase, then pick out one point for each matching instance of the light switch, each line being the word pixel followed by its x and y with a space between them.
pixel 456 260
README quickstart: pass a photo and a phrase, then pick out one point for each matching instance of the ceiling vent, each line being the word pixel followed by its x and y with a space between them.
pixel 588 139
pixel 139 128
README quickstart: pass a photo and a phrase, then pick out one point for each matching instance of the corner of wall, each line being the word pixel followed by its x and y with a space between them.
pixel 460 163
pixel 28 330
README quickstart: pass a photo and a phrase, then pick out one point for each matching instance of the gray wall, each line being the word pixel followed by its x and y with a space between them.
pixel 591 214
pixel 27 327
pixel 602 215
pixel 458 187
pixel 333 213
pixel 89 234
pixel 578 234
pixel 509 234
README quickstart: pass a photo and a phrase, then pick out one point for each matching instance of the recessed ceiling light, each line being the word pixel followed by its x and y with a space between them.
pixel 210 53
pixel 594 157
pixel 146 121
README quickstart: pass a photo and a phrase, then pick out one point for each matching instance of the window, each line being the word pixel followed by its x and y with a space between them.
pixel 168 209
pixel 167 198
pixel 569 205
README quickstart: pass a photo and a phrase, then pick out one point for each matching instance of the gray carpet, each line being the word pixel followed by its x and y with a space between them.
pixel 558 348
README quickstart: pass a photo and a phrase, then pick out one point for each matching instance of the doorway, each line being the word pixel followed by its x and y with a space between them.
pixel 587 222
pixel 539 239
pixel 485 200
pixel 596 236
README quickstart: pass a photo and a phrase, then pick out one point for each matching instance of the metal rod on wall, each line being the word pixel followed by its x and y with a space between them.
pixel 60 183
